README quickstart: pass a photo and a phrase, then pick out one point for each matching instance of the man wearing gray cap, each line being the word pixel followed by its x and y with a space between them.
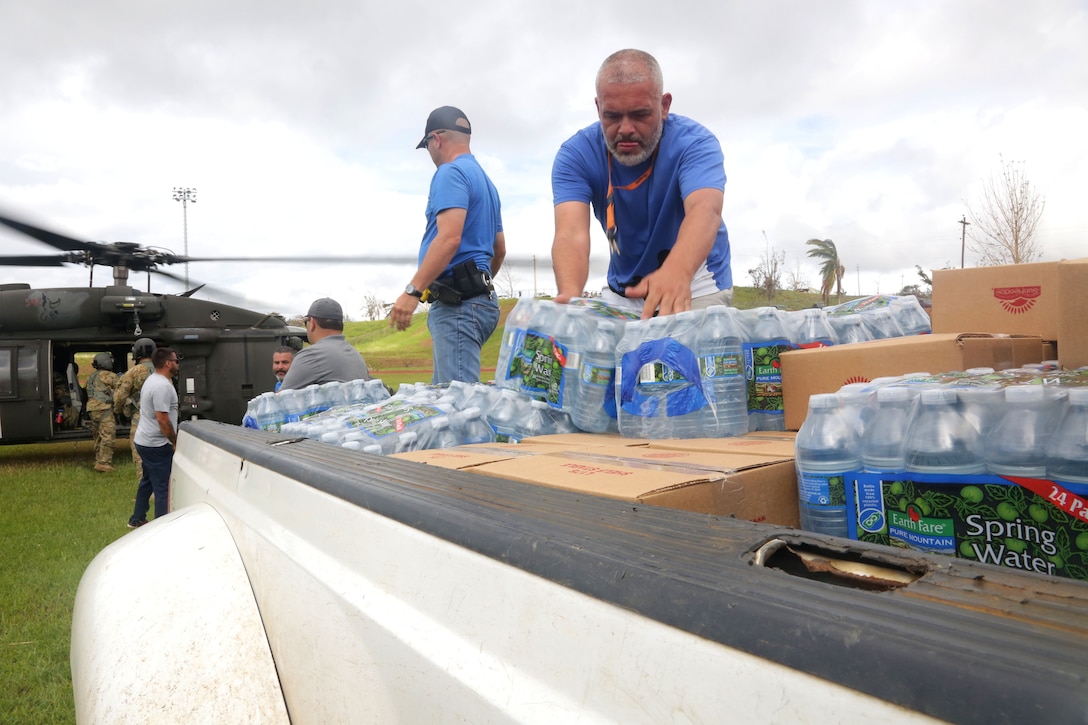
pixel 329 357
pixel 462 247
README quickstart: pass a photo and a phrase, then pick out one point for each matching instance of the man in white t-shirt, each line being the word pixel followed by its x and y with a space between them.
pixel 156 436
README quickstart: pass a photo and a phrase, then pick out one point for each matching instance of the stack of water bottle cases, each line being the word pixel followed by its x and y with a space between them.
pixel 979 464
pixel 589 367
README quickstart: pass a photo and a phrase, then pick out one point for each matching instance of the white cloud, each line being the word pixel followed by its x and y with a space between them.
pixel 867 123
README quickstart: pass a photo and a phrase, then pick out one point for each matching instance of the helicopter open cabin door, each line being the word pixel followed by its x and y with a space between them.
pixel 27 410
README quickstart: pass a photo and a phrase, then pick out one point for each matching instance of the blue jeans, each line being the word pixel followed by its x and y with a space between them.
pixel 457 334
pixel 156 479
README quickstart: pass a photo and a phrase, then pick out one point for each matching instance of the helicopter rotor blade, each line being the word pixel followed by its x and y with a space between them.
pixel 221 294
pixel 58 241
pixel 380 259
pixel 356 259
pixel 33 260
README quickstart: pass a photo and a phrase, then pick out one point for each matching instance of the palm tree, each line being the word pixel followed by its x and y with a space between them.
pixel 831 270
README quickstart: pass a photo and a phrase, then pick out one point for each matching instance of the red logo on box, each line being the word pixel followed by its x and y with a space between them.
pixel 1017 300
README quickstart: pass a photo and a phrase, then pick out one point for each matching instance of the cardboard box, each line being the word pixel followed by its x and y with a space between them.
pixel 750 445
pixel 1012 299
pixel 1044 298
pixel 458 458
pixel 826 369
pixel 674 458
pixel 765 491
pixel 574 440
pixel 1073 313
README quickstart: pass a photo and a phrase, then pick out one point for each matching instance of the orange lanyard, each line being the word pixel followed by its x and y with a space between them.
pixel 611 232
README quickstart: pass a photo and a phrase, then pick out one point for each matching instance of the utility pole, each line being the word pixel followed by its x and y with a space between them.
pixel 963 239
pixel 859 280
pixel 185 196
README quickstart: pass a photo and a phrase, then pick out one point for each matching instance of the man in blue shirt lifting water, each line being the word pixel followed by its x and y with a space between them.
pixel 655 181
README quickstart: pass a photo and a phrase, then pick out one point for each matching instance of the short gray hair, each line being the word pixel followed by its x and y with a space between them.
pixel 630 66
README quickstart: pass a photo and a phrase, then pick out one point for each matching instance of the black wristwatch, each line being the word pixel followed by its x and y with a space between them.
pixel 411 291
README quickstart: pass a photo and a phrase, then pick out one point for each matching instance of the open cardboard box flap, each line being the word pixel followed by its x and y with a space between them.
pixel 765 491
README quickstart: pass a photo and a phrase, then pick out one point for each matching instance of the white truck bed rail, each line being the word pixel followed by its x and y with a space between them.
pixel 390 591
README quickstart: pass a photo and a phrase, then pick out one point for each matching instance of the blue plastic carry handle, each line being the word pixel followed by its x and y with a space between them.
pixel 681 401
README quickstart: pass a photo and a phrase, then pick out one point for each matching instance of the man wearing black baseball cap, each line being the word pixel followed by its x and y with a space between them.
pixel 463 246
pixel 329 357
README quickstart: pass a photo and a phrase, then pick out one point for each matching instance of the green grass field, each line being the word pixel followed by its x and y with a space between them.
pixel 56 514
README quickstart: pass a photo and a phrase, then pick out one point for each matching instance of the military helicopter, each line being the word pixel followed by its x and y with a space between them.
pixel 225 351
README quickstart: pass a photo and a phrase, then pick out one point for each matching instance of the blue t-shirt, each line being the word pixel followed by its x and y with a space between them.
pixel 462 184
pixel 648 217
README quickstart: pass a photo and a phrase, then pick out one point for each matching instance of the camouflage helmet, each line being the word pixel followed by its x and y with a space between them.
pixel 103 361
pixel 143 348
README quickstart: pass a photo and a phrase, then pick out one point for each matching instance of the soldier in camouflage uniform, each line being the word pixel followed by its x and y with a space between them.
pixel 126 401
pixel 100 387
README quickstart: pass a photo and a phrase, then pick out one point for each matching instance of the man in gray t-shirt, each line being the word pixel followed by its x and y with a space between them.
pixel 156 436
pixel 329 357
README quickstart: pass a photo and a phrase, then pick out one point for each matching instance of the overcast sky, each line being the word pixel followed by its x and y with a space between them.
pixel 872 124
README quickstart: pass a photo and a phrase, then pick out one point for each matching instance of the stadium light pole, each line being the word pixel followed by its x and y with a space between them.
pixel 186 196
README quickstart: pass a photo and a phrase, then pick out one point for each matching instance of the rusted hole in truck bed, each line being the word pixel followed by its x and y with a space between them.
pixel 842 569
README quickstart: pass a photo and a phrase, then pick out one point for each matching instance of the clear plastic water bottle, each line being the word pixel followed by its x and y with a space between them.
pixel 571 334
pixel 848 329
pixel 884 437
pixel 512 334
pixel 407 440
pixel 314 401
pixel 940 439
pixel 828 451
pixel 270 415
pixel 333 437
pixel 504 417
pixel 687 412
pixel 440 434
pixel 595 381
pixel 483 396
pixel 294 404
pixel 857 403
pixel 910 315
pixel 334 393
pixel 763 372
pixel 249 420
pixel 375 390
pixel 721 362
pixel 1016 445
pixel 981 405
pixel 811 329
pixel 630 421
pixel 1067 450
pixel 561 422
pixel 880 323
pixel 470 426
pixel 457 392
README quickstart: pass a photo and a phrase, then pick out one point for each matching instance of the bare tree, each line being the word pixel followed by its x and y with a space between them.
pixel 767 275
pixel 1005 216
pixel 504 282
pixel 373 308
pixel 798 282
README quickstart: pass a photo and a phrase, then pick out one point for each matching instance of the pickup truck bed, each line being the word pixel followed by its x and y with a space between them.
pixel 386 590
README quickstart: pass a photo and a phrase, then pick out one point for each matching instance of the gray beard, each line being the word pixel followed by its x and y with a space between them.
pixel 647 150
